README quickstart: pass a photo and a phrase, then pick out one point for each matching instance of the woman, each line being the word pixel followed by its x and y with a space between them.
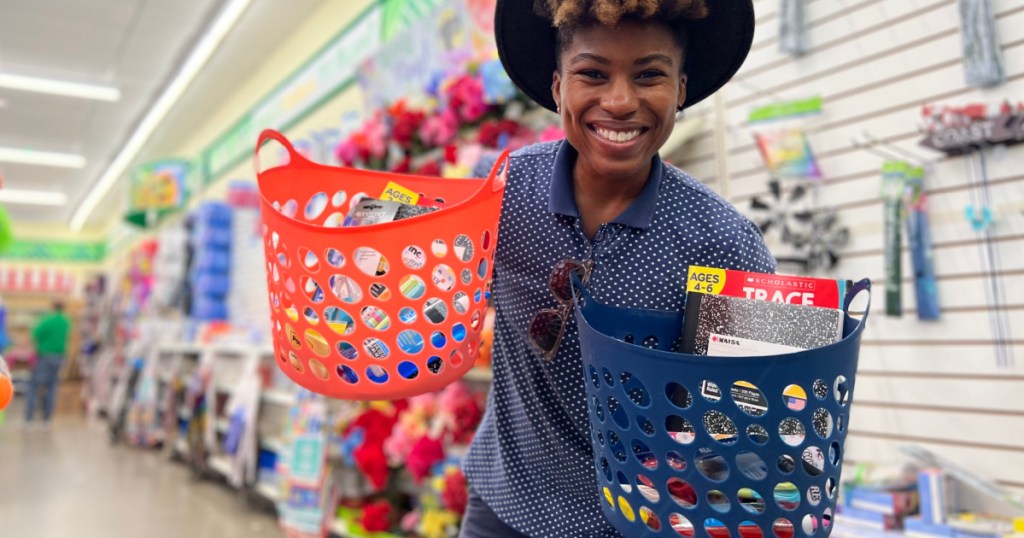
pixel 600 203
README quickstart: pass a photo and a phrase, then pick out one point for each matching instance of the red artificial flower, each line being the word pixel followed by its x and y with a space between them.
pixel 424 454
pixel 402 166
pixel 369 457
pixel 406 126
pixel 496 134
pixel 451 154
pixel 429 168
pixel 455 497
pixel 376 517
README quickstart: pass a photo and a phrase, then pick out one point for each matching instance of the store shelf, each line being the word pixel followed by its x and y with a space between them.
pixel 268 491
pixel 279 397
pixel 220 465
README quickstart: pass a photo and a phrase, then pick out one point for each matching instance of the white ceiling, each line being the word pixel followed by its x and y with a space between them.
pixel 134 45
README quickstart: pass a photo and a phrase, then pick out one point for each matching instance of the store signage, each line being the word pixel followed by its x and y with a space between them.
pixel 786 110
pixel 56 251
pixel 157 188
pixel 957 130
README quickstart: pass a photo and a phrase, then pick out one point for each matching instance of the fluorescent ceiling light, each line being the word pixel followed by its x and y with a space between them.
pixel 59 87
pixel 193 64
pixel 41 158
pixel 16 196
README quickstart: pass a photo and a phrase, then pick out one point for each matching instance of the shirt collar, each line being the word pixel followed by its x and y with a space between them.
pixel 561 201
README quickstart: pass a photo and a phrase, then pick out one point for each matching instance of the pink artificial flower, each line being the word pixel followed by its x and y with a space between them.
pixel 440 130
pixel 347 152
pixel 424 454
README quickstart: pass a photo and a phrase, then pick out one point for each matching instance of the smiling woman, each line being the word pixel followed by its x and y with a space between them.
pixel 603 204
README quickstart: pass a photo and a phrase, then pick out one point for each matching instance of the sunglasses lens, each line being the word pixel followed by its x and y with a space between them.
pixel 560 283
pixel 546 329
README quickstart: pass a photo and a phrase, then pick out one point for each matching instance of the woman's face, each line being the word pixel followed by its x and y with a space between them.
pixel 619 90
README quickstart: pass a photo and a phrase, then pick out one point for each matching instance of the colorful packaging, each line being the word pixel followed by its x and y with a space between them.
pixel 799 290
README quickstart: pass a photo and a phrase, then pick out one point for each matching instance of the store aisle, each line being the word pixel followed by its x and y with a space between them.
pixel 69 482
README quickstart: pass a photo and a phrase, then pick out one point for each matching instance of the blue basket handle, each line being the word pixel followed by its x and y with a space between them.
pixel 856 289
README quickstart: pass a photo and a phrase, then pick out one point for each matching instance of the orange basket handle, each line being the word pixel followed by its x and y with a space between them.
pixel 294 157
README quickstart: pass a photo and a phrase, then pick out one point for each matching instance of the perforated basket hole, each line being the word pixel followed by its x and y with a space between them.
pixel 710 391
pixel 609 498
pixel 795 397
pixel 675 460
pixel 345 289
pixel 295 363
pixel 458 332
pixel 749 529
pixel 308 259
pixel 644 455
pixel 751 465
pixel 371 262
pixel 407 315
pixel 680 430
pixel 786 464
pixel 711 465
pixel 792 431
pixel 830 488
pixel 749 398
pixel 412 287
pixel 822 423
pixel 678 395
pixel 317 343
pixel 380 292
pixel 456 358
pixel 606 469
pixel 339 198
pixel 334 220
pixel 649 342
pixel 481 268
pixel 410 342
pixel 682 493
pixel 478 295
pixel 782 528
pixel 290 208
pixel 318 369
pixel 475 322
pixel 376 348
pixel 820 389
pixel 435 364
pixel 377 374
pixel 626 509
pixel 315 206
pixel 485 241
pixel 311 317
pixel 608 378
pixel 293 336
pixel 594 378
pixel 435 311
pixel 463 247
pixel 616 446
pixel 787 496
pixel 645 426
pixel 841 423
pixel 719 501
pixel 598 409
pixel 720 427
pixel 375 318
pixel 414 257
pixel 635 390
pixel 716 529
pixel 439 248
pixel 347 351
pixel 826 519
pixel 289 286
pixel 751 501
pixel 312 290
pixel 814 495
pixel 624 482
pixel 339 321
pixel 347 374
pixel 649 518
pixel 809 525
pixel 647 488
pixel 600 439
pixel 835 454
pixel 681 525
pixel 814 461
pixel 334 258
pixel 757 434
pixel 461 302
pixel 408 370
pixel 467 276
pixel 842 391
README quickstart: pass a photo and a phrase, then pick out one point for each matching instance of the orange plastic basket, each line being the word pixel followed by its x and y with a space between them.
pixel 375 312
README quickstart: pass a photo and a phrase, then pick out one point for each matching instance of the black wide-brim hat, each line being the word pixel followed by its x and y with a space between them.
pixel 718 45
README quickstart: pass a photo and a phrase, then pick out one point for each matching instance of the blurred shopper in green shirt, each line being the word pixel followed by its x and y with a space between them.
pixel 51 339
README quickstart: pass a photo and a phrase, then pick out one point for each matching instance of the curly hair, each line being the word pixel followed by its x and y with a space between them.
pixel 568 15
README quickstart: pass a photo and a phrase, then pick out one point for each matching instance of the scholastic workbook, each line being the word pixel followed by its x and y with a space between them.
pixel 736 313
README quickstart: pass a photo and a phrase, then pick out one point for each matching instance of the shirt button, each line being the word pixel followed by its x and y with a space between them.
pixel 599 236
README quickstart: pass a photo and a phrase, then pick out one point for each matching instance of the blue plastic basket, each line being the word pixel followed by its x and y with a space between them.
pixel 700 446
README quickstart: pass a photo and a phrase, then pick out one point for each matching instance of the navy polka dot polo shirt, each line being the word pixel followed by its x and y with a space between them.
pixel 532 461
